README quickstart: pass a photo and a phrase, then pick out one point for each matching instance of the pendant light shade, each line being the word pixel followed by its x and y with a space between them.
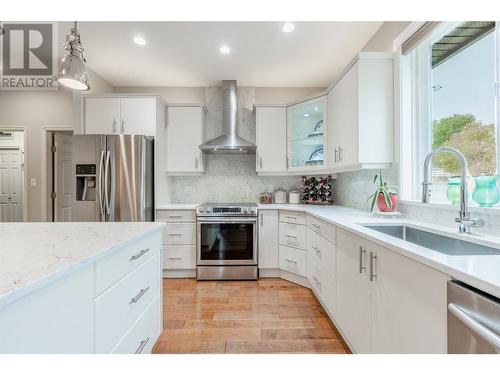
pixel 73 72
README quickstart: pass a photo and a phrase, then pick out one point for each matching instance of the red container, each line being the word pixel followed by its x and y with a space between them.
pixel 382 205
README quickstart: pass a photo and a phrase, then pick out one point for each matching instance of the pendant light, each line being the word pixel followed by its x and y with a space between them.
pixel 73 72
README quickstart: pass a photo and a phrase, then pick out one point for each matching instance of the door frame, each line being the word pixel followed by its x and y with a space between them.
pixel 43 170
pixel 24 154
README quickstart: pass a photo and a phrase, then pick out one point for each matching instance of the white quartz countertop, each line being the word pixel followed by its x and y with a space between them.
pixel 177 206
pixel 35 254
pixel 480 271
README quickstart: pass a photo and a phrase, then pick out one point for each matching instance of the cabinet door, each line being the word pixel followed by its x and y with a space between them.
pixel 101 115
pixel 138 116
pixel 184 136
pixel 353 295
pixel 271 140
pixel 343 119
pixel 306 135
pixel 408 305
pixel 268 239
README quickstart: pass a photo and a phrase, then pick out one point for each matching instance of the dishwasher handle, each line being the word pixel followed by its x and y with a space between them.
pixel 479 329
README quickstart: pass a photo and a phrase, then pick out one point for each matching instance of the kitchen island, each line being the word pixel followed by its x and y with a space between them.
pixel 80 287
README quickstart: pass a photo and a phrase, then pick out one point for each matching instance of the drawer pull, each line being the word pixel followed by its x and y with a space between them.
pixel 175 216
pixel 290 236
pixel 141 347
pixel 291 217
pixel 139 295
pixel 138 255
pixel 361 252
pixel 317 226
pixel 316 280
pixel 291 261
pixel 175 234
pixel 317 249
pixel 175 258
pixel 372 266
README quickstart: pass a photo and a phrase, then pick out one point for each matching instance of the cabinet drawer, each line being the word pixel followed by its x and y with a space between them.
pixel 293 235
pixel 120 306
pixel 179 257
pixel 176 216
pixel 320 249
pixel 293 217
pixel 180 234
pixel 112 268
pixel 293 260
pixel 325 229
pixel 141 338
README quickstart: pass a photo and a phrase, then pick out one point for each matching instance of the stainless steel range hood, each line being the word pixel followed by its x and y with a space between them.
pixel 229 141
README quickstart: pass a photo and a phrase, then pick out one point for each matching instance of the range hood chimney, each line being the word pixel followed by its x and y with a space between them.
pixel 229 141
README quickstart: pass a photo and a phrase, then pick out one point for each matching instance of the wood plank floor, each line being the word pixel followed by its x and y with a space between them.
pixel 264 316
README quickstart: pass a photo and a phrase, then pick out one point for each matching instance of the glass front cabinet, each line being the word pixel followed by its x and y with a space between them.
pixel 307 127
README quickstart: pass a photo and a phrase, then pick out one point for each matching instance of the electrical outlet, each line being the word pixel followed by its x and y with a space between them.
pixel 33 182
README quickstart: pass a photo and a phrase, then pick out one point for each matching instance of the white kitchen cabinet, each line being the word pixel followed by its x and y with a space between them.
pixel 360 115
pixel 386 302
pixel 271 140
pixel 120 114
pixel 307 135
pixel 184 133
pixel 268 239
pixel 409 305
pixel 353 293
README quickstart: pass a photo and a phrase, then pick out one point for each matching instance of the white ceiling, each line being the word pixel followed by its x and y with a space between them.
pixel 187 53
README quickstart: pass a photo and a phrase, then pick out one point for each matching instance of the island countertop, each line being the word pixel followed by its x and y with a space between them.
pixel 35 254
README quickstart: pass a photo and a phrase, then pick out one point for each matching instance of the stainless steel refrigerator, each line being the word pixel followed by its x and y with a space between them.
pixel 125 178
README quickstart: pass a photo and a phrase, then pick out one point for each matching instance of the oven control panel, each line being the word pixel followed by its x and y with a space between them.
pixel 218 210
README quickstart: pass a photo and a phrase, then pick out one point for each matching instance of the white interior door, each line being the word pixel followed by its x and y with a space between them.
pixel 11 185
pixel 63 177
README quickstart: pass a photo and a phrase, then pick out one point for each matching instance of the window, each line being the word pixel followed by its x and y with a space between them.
pixel 449 99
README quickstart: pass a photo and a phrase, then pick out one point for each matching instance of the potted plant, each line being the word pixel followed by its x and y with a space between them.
pixel 384 195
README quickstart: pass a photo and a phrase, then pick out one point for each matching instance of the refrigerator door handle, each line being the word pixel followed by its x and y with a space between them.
pixel 106 187
pixel 100 197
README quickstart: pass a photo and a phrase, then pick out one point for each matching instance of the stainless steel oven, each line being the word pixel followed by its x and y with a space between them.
pixel 227 242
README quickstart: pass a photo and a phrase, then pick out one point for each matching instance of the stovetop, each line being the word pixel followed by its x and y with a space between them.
pixel 227 209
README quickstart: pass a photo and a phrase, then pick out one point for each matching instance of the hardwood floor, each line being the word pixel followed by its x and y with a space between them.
pixel 264 316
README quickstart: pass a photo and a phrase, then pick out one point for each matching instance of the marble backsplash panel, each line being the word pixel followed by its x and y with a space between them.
pixel 228 177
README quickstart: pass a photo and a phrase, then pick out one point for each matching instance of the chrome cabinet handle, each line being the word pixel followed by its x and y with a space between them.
pixel 317 249
pixel 141 347
pixel 196 162
pixel 317 226
pixel 291 261
pixel 260 161
pixel 123 126
pixel 139 254
pixel 175 258
pixel 316 280
pixel 175 216
pixel 487 335
pixel 262 220
pixel 290 236
pixel 372 266
pixel 291 217
pixel 336 159
pixel 175 234
pixel 114 125
pixel 361 252
pixel 341 155
pixel 139 295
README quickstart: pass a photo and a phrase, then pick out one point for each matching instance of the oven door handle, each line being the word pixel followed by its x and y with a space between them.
pixel 226 220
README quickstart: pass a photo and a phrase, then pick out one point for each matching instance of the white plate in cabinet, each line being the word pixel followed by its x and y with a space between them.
pixel 180 257
pixel 176 216
pixel 322 227
pixel 141 338
pixel 180 234
pixel 292 217
pixel 293 260
pixel 120 306
pixel 293 235
pixel 112 268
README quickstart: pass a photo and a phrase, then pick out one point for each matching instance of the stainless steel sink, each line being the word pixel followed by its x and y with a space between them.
pixel 437 242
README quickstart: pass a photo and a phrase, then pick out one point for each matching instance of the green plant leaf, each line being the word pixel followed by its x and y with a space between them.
pixel 375 178
pixel 387 199
pixel 381 181
pixel 373 201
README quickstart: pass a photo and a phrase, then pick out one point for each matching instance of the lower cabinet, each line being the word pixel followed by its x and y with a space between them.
pixel 386 302
pixel 293 260
pixel 268 239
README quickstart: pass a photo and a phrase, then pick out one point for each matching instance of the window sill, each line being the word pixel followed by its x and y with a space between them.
pixel 443 206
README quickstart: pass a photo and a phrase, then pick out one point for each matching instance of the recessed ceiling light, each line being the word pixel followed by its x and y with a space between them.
pixel 288 27
pixel 139 40
pixel 306 114
pixel 225 50
pixel 316 108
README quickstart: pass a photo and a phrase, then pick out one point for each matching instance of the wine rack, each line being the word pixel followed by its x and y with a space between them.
pixel 316 190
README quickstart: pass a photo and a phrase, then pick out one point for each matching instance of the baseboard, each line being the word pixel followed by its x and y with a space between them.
pixel 179 274
pixel 269 272
pixel 294 278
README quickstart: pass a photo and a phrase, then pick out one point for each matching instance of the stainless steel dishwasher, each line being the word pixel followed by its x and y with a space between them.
pixel 473 320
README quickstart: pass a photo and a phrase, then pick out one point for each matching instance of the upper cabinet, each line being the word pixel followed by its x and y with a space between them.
pixel 119 115
pixel 185 132
pixel 271 140
pixel 360 115
pixel 306 134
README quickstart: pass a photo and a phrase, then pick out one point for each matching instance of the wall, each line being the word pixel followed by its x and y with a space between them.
pixel 35 110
